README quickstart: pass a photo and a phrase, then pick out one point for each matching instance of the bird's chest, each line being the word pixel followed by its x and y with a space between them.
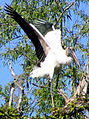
pixel 61 58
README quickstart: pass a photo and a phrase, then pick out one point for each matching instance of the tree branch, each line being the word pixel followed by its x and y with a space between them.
pixel 13 86
pixel 20 98
pixel 12 71
pixel 51 92
pixel 41 86
pixel 11 95
pixel 63 94
pixel 83 84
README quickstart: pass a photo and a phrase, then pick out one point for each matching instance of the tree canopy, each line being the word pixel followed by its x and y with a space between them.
pixel 31 98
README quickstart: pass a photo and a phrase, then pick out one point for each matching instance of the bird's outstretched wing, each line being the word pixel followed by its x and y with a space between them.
pixel 43 25
pixel 32 32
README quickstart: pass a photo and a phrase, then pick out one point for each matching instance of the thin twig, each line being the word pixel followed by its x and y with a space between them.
pixel 63 94
pixel 81 28
pixel 18 37
pixel 39 85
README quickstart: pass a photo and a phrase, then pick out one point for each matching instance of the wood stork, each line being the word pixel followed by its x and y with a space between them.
pixel 47 42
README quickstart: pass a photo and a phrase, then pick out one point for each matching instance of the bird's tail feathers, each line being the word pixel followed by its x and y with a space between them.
pixel 36 72
pixel 39 72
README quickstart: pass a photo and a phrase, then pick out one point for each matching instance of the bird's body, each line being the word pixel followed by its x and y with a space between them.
pixel 55 57
pixel 47 42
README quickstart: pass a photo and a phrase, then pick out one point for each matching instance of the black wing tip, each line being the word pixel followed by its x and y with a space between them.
pixel 9 10
pixel 6 6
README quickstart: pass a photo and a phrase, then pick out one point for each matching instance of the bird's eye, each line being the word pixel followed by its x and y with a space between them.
pixel 69 51
pixel 69 48
pixel 72 48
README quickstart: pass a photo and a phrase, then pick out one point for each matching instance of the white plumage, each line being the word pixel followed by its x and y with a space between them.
pixel 56 56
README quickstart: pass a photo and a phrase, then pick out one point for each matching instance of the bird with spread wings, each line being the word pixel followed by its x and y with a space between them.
pixel 47 42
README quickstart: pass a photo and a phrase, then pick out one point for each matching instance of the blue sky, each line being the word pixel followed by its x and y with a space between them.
pixel 2 2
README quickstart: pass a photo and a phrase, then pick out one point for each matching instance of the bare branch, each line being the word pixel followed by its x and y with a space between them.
pixel 51 92
pixel 14 77
pixel 12 71
pixel 11 96
pixel 13 86
pixel 20 98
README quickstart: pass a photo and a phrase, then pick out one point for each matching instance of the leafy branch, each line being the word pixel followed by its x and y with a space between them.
pixel 65 9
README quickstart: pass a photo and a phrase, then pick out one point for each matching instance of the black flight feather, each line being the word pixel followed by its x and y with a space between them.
pixel 29 30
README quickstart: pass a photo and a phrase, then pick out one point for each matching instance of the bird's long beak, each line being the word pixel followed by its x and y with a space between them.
pixel 76 59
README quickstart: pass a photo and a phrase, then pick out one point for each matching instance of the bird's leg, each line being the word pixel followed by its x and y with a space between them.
pixel 57 80
pixel 51 92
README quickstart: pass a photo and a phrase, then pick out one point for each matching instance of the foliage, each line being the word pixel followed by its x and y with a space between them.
pixel 15 45
pixel 9 113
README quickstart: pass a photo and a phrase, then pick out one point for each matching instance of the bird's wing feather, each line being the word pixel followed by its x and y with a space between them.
pixel 43 25
pixel 32 32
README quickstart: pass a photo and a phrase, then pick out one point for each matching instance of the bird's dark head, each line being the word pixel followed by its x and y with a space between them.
pixel 70 53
